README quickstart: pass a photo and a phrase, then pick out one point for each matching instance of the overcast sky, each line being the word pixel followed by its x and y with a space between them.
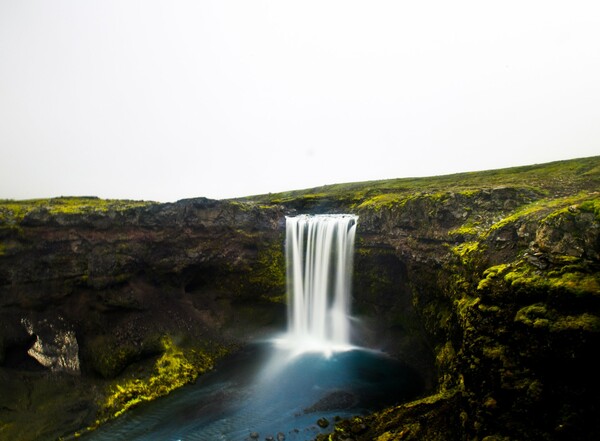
pixel 164 100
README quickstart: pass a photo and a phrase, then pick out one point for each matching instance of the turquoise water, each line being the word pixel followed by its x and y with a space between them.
pixel 266 391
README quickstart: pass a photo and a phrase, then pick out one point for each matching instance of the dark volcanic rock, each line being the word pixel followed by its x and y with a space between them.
pixel 94 292
pixel 336 400
pixel 486 283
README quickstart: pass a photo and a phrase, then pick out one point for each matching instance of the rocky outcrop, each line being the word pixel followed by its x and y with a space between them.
pixel 486 283
pixel 56 349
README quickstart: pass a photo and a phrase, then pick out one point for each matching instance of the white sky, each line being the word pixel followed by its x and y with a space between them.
pixel 164 100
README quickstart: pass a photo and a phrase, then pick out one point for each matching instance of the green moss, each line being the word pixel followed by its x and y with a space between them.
pixel 569 279
pixel 535 315
pixel 582 202
pixel 469 193
pixel 464 304
pixel 176 367
pixel 242 205
pixel 268 272
pixel 467 229
pixel 559 177
pixel 576 282
pixel 381 201
pixel 275 299
pixel 521 213
pixel 584 322
pixel 388 201
pixel 437 315
pixel 548 208
pixel 540 316
pixel 466 251
pixel 496 352
pixel 492 273
pixel 591 206
pixel 302 199
pixel 445 354
pixel 13 212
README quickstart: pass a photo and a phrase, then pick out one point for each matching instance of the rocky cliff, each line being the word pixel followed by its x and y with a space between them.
pixel 89 289
pixel 495 275
pixel 486 283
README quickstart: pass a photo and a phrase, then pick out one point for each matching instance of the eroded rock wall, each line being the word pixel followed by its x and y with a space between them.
pixel 505 285
pixel 121 276
pixel 491 291
pixel 92 293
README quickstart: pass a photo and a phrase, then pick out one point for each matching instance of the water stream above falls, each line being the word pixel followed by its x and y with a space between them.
pixel 285 386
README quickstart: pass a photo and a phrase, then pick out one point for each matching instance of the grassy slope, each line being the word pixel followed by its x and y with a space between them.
pixel 552 179
pixel 12 211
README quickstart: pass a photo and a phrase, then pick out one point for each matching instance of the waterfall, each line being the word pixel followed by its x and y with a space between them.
pixel 319 256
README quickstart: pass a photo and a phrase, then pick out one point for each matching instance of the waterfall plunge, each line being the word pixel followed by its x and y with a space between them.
pixel 319 255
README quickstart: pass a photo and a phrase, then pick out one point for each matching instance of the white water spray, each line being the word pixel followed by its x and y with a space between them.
pixel 319 257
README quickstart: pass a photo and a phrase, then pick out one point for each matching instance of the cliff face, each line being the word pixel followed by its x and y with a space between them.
pixel 486 283
pixel 506 284
pixel 89 288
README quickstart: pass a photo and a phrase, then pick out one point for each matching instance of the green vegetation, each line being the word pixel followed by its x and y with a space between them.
pixel 552 179
pixel 573 279
pixel 386 200
pixel 399 200
pixel 468 229
pixel 13 212
pixel 540 316
pixel 591 206
pixel 268 274
pixel 466 250
pixel 176 367
pixel 549 207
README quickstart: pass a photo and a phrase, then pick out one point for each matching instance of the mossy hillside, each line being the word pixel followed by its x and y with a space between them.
pixel 540 253
pixel 537 221
pixel 553 250
pixel 13 212
pixel 551 179
pixel 572 281
pixel 526 295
